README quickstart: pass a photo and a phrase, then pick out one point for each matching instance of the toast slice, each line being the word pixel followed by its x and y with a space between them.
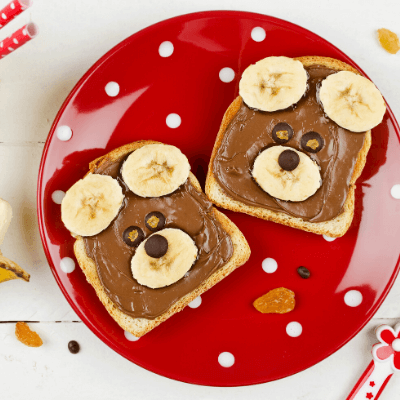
pixel 140 326
pixel 335 227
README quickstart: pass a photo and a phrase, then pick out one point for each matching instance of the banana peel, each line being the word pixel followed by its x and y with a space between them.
pixel 10 270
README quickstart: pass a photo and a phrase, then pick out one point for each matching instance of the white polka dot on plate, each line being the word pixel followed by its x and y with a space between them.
pixel 12 5
pixel 227 75
pixel 395 191
pixel 4 16
pixel 226 359
pixel 328 238
pixel 353 298
pixel 294 329
pixel 67 265
pixel 64 133
pixel 173 121
pixel 130 337
pixel 195 303
pixel 258 34
pixel 269 265
pixel 166 49
pixel 57 196
pixel 112 89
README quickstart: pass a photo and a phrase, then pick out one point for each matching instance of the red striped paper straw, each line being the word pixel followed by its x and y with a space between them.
pixel 18 39
pixel 11 10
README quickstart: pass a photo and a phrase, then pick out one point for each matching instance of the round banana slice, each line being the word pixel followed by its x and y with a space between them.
pixel 274 83
pixel 352 101
pixel 299 180
pixel 91 204
pixel 155 170
pixel 165 265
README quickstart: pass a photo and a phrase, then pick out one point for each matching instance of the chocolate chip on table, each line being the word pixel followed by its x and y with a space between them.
pixel 282 133
pixel 312 142
pixel 288 160
pixel 156 246
pixel 132 236
pixel 154 221
pixel 303 272
pixel 73 347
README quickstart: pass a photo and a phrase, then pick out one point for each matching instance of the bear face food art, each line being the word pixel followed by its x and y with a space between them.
pixel 151 232
pixel 295 140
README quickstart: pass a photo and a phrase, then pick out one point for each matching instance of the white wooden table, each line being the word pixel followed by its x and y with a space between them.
pixel 34 82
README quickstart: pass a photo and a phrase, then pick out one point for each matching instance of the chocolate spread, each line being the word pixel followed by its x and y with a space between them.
pixel 186 209
pixel 250 132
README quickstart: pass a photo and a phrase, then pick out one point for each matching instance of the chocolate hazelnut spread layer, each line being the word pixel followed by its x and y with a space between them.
pixel 185 209
pixel 252 131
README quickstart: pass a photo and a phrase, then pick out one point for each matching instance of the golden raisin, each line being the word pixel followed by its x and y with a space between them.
pixel 26 336
pixel 276 301
pixel 389 40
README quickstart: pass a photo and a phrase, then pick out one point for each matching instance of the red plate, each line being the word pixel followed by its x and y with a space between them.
pixel 187 83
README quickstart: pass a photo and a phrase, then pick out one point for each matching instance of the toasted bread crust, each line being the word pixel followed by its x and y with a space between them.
pixel 335 227
pixel 140 326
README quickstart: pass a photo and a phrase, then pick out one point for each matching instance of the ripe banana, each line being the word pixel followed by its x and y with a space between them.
pixel 274 83
pixel 295 185
pixel 8 269
pixel 170 267
pixel 155 170
pixel 90 205
pixel 352 101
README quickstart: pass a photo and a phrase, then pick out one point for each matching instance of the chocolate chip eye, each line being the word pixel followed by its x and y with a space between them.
pixel 282 133
pixel 156 246
pixel 312 142
pixel 154 221
pixel 132 236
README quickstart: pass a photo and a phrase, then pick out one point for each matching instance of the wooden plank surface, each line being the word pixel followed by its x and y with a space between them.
pixel 33 84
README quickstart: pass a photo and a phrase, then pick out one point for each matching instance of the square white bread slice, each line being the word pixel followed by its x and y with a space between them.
pixel 335 227
pixel 140 326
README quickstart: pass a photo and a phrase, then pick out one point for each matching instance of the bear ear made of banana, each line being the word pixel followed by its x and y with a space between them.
pixel 93 202
pixel 276 83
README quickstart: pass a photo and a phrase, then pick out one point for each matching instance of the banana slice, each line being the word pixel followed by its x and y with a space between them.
pixel 91 204
pixel 160 262
pixel 299 180
pixel 155 170
pixel 274 83
pixel 352 101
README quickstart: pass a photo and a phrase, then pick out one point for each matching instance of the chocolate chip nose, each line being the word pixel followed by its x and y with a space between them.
pixel 288 160
pixel 156 246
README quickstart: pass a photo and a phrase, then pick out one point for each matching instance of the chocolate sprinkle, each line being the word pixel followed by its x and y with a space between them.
pixel 303 272
pixel 288 160
pixel 156 246
pixel 73 347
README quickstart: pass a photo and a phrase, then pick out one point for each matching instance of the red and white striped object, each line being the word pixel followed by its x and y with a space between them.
pixel 18 38
pixel 11 10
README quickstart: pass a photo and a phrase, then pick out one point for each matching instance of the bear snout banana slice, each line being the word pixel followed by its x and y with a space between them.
pixel 352 101
pixel 90 205
pixel 274 83
pixel 165 266
pixel 289 185
pixel 155 170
